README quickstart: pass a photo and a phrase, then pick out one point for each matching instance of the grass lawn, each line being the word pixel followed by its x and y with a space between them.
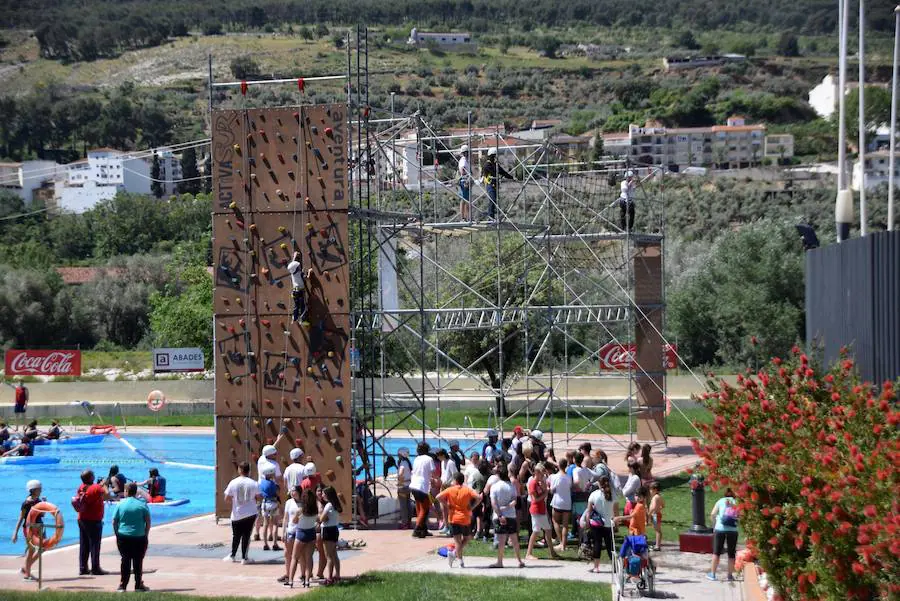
pixel 384 586
pixel 142 420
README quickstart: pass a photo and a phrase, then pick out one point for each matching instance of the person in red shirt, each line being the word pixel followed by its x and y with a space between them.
pixel 90 523
pixel 540 521
pixel 460 502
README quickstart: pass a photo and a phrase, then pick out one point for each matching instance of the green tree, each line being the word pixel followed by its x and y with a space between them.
pixel 128 224
pixel 687 40
pixel 548 45
pixel 878 111
pixel 597 150
pixel 788 45
pixel 156 187
pixel 182 315
pixel 750 284
pixel 190 173
pixel 244 67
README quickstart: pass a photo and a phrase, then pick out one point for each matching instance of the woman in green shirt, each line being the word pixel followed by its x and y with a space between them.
pixel 131 523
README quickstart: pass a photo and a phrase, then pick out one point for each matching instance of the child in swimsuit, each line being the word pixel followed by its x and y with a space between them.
pixel 657 504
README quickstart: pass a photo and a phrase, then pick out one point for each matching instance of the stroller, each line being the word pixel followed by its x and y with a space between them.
pixel 634 567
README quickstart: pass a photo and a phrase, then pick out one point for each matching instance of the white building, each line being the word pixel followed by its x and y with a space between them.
pixel 24 178
pixel 735 145
pixel 877 170
pixel 442 39
pixel 169 171
pixel 100 176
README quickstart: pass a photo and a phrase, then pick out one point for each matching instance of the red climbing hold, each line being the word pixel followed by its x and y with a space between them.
pixel 300 84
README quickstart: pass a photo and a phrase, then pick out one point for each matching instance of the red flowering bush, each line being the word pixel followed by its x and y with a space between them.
pixel 813 456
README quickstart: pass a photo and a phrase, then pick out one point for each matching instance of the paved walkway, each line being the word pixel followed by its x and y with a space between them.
pixel 679 575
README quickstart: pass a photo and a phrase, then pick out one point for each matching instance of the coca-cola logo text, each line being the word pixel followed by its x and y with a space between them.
pixel 43 363
pixel 618 356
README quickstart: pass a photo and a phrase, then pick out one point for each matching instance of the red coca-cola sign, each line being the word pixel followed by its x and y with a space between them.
pixel 43 363
pixel 617 356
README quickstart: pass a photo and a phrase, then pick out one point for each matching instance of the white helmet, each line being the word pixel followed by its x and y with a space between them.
pixel 492 152
pixel 464 149
pixel 310 468
pixel 296 454
pixel 537 435
pixel 629 173
pixel 269 450
pixel 32 485
pixel 266 471
pixel 491 433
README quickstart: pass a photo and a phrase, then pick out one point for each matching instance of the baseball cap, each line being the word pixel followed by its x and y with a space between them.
pixel 32 485
pixel 310 468
pixel 492 152
pixel 491 432
pixel 518 431
pixel 537 434
pixel 296 454
pixel 269 450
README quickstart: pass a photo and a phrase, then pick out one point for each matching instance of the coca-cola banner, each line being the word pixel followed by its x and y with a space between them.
pixel 43 363
pixel 616 356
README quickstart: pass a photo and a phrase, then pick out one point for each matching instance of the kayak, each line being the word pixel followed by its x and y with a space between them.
pixel 93 439
pixel 166 503
pixel 28 460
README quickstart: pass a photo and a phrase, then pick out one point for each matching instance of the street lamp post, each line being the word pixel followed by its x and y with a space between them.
pixel 891 159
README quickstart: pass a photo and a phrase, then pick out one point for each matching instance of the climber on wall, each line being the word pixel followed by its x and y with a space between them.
pixel 298 290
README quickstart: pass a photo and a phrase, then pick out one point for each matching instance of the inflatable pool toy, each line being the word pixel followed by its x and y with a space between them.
pixel 34 531
pixel 103 429
pixel 93 439
pixel 30 460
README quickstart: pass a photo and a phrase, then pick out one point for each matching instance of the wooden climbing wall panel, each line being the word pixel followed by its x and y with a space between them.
pixel 279 187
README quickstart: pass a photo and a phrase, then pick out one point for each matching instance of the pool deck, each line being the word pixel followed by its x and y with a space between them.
pixel 186 556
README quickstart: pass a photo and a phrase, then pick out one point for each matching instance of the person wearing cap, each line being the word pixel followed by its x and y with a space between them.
pixel 626 202
pixel 404 474
pixel 458 457
pixel 465 175
pixel 491 171
pixel 266 459
pixel 33 489
pixel 296 471
pixel 312 477
pixel 489 450
pixel 269 489
pixel 243 492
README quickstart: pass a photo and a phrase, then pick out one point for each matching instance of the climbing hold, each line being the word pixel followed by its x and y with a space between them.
pixel 268 402
pixel 283 246
pixel 282 229
pixel 309 370
pixel 237 149
pixel 324 431
pixel 279 193
pixel 242 322
pixel 252 227
pixel 238 300
pixel 297 116
pixel 339 459
pixel 331 353
pixel 233 205
pixel 265 322
pixel 269 422
pixel 330 474
pixel 336 425
pixel 333 441
pixel 340 405
pixel 329 132
pixel 265 272
pixel 234 433
pixel 314 129
pixel 321 181
pixel 281 157
pixel 310 227
pixel 298 442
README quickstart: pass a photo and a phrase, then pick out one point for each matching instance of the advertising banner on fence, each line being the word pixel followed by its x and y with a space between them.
pixel 615 357
pixel 167 360
pixel 43 363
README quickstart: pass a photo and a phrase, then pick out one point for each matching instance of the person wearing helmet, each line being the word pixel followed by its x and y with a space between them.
pixel 458 457
pixel 538 448
pixel 267 459
pixel 404 475
pixel 296 471
pixel 489 450
pixel 626 202
pixel 33 489
pixel 491 171
pixel 269 489
pixel 465 176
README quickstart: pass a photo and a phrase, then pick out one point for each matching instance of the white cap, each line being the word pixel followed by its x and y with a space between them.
pixel 296 454
pixel 268 470
pixel 492 152
pixel 403 452
pixel 463 148
pixel 491 432
pixel 32 485
pixel 629 173
pixel 269 450
pixel 537 434
pixel 310 468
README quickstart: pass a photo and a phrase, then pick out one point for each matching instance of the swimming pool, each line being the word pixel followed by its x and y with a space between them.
pixel 61 480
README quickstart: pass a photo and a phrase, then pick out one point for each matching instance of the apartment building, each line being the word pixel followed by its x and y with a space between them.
pixel 100 176
pixel 25 179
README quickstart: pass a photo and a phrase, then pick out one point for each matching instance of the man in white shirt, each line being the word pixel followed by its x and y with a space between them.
pixel 503 501
pixel 295 472
pixel 626 202
pixel 298 288
pixel 420 487
pixel 465 183
pixel 243 492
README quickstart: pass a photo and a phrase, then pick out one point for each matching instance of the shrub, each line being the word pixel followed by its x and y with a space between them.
pixel 813 457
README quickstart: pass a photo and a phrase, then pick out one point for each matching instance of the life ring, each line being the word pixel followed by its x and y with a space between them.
pixel 34 531
pixel 103 429
pixel 156 400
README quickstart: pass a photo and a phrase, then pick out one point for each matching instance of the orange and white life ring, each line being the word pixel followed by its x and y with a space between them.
pixel 34 530
pixel 103 429
pixel 156 400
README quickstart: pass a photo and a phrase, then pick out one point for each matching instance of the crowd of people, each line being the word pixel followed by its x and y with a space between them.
pixel 517 484
pixel 308 520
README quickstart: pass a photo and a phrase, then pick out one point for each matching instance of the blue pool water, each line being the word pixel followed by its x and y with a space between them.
pixel 60 481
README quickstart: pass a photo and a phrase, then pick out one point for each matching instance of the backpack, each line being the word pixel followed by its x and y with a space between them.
pixel 730 515
pixel 78 501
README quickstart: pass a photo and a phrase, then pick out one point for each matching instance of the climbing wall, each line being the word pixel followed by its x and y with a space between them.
pixel 650 374
pixel 280 187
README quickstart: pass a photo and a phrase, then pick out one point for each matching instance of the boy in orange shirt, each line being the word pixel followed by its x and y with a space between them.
pixel 637 519
pixel 460 502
